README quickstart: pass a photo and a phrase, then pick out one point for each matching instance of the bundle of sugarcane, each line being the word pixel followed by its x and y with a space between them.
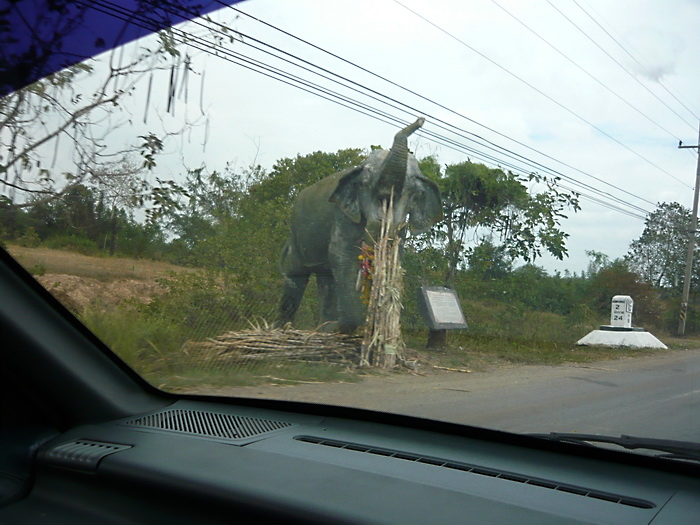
pixel 269 343
pixel 382 343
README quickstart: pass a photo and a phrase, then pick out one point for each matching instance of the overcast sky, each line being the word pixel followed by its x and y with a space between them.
pixel 600 91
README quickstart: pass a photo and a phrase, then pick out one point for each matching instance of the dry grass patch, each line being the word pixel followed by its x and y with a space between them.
pixel 100 268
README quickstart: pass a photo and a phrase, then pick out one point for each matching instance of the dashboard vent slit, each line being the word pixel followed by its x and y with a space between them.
pixel 207 424
pixel 482 471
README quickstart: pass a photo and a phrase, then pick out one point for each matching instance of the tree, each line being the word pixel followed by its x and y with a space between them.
pixel 488 261
pixel 658 256
pixel 486 204
pixel 291 175
pixel 199 217
pixel 57 133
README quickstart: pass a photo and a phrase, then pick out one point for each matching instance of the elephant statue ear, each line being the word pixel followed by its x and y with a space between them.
pixel 426 208
pixel 347 193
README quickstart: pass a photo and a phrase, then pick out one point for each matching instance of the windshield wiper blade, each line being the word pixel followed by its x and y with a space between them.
pixel 673 449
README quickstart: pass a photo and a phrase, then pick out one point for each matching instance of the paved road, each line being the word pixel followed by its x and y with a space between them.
pixel 655 396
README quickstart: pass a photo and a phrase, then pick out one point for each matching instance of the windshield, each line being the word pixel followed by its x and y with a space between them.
pixel 478 213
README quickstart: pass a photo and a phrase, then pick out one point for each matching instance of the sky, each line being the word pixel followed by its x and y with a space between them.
pixel 597 92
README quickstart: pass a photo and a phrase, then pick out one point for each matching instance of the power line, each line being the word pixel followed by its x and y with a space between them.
pixel 548 97
pixel 500 162
pixel 330 95
pixel 441 106
pixel 487 144
pixel 618 63
pixel 385 117
pixel 453 144
pixel 694 154
pixel 590 75
pixel 634 58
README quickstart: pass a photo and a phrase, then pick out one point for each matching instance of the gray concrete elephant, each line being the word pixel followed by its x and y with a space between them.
pixel 332 218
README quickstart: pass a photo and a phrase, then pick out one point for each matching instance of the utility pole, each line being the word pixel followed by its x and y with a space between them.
pixel 691 244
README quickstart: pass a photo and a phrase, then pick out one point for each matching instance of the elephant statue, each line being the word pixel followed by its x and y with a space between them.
pixel 333 218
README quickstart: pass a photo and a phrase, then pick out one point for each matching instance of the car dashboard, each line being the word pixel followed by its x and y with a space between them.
pixel 208 462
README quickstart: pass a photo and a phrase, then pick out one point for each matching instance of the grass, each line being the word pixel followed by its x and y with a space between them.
pixel 536 338
pixel 153 346
pixel 289 373
pixel 480 354
pixel 102 268
pixel 151 338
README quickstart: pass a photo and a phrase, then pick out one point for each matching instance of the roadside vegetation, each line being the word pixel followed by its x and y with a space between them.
pixel 209 266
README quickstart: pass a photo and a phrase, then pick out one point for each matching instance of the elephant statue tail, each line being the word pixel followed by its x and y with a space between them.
pixel 283 257
pixel 393 171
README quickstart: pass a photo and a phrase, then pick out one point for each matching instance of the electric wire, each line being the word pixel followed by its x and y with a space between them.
pixel 437 104
pixel 247 38
pixel 590 75
pixel 391 119
pixel 387 118
pixel 548 97
pixel 634 58
pixel 213 50
pixel 187 39
pixel 618 63
pixel 499 163
pixel 658 81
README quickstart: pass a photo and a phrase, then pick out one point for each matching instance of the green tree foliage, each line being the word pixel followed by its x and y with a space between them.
pixel 82 220
pixel 228 219
pixel 658 256
pixel 486 204
pixel 488 261
pixel 210 202
pixel 291 175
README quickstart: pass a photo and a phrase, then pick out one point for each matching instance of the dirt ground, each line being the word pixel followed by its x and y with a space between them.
pixel 80 293
pixel 81 281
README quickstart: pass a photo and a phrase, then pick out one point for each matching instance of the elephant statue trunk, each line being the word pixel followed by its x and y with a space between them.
pixel 331 219
pixel 392 173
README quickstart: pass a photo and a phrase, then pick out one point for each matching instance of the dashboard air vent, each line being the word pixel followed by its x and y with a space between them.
pixel 207 424
pixel 482 471
pixel 82 454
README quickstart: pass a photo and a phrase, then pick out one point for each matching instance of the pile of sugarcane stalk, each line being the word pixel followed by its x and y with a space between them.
pixel 269 344
pixel 382 344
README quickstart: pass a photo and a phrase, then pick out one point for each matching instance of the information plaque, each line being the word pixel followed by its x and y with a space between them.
pixel 441 309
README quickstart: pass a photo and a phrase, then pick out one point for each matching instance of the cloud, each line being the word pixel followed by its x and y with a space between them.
pixel 657 52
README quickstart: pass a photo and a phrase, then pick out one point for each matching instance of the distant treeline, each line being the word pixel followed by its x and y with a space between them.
pixel 233 225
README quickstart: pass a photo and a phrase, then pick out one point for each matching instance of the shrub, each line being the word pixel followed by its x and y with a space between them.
pixel 142 342
pixel 30 239
pixel 37 269
pixel 73 243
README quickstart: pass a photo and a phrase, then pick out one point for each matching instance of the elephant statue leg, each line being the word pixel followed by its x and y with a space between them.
pixel 328 300
pixel 294 287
